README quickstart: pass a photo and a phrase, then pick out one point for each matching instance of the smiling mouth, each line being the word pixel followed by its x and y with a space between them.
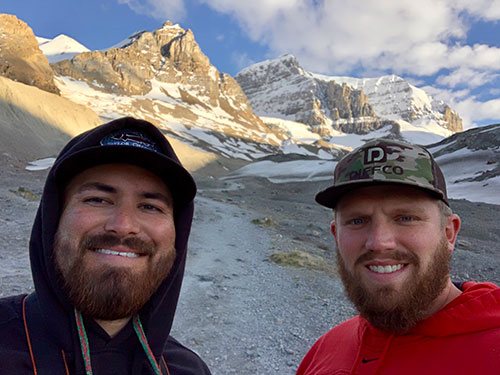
pixel 118 253
pixel 386 269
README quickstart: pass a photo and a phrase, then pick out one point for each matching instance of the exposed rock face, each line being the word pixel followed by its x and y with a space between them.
pixel 393 97
pixel 20 58
pixel 452 119
pixel 171 59
pixel 478 145
pixel 282 88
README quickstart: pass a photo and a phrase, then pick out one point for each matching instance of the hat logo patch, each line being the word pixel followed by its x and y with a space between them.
pixel 375 155
pixel 129 138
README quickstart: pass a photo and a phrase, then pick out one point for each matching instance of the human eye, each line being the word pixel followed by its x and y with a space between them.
pixel 406 218
pixel 149 207
pixel 95 200
pixel 356 221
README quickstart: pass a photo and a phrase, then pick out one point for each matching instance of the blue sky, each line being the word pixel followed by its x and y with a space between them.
pixel 451 48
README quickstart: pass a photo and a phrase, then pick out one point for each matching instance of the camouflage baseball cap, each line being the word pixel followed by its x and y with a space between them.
pixel 385 161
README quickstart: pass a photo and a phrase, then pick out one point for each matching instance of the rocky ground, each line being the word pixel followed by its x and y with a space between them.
pixel 241 308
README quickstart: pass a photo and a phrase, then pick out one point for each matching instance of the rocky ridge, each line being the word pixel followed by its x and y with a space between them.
pixel 478 146
pixel 20 57
pixel 170 61
pixel 282 88
pixel 164 77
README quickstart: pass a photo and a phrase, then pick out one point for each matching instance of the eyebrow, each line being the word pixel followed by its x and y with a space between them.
pixel 96 186
pixel 112 190
pixel 410 209
pixel 157 196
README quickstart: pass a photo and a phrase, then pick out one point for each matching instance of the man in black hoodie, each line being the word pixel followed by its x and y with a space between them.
pixel 107 251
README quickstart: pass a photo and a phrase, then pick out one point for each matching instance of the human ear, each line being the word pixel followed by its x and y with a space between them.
pixel 451 230
pixel 333 228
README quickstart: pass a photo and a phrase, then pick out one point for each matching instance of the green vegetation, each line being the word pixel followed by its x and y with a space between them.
pixel 264 222
pixel 302 259
pixel 26 194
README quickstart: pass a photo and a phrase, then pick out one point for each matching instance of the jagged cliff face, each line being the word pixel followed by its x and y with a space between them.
pixel 284 89
pixel 20 58
pixel 452 120
pixel 392 97
pixel 170 61
pixel 129 69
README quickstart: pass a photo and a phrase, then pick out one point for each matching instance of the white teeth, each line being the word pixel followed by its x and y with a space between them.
pixel 120 253
pixel 385 269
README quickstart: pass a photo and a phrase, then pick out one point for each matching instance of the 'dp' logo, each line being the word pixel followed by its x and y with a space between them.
pixel 375 155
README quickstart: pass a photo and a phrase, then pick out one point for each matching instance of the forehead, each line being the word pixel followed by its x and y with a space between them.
pixel 119 176
pixel 395 195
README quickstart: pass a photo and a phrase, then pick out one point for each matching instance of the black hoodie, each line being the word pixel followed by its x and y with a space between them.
pixel 40 331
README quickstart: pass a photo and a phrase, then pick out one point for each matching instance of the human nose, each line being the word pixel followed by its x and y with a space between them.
pixel 381 236
pixel 122 221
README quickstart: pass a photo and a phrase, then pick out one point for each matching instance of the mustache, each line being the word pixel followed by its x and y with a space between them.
pixel 396 255
pixel 108 240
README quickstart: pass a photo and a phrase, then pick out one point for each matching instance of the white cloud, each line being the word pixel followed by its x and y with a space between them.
pixel 336 36
pixel 471 110
pixel 485 9
pixel 159 9
pixel 466 77
pixel 241 60
pixel 406 37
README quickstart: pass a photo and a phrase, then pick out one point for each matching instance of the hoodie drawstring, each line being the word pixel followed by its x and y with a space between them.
pixel 30 347
pixel 28 339
pixel 84 344
pixel 144 343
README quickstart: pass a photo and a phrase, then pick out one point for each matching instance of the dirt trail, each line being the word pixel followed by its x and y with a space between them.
pixel 241 312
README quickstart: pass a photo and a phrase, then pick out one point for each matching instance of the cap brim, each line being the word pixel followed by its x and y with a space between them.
pixel 331 196
pixel 178 179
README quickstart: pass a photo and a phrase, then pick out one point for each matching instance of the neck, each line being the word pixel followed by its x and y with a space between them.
pixel 112 327
pixel 449 293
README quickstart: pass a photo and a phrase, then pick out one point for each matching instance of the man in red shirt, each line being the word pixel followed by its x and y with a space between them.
pixel 395 234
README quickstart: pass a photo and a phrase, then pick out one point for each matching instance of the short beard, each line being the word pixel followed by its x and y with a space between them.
pixel 106 292
pixel 399 311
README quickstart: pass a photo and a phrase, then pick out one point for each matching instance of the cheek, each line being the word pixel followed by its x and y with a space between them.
pixel 349 245
pixel 164 234
pixel 75 221
pixel 421 244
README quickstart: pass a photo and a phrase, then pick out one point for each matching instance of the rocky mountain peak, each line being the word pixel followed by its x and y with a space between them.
pixel 20 57
pixel 282 88
pixel 169 54
pixel 167 67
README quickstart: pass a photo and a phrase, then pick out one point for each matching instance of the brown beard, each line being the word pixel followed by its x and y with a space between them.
pixel 399 311
pixel 106 292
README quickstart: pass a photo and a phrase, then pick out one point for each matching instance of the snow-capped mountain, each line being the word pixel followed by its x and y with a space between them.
pixel 62 47
pixel 282 88
pixel 164 77
pixel 470 161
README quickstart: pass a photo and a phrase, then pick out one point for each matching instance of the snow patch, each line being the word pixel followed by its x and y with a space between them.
pixel 40 164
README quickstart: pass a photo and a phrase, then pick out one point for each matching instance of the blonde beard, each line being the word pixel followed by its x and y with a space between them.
pixel 399 311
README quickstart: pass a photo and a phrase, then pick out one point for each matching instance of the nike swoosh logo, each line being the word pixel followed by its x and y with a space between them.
pixel 367 360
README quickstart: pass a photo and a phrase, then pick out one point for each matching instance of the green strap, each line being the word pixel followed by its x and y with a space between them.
pixel 144 343
pixel 84 342
pixel 85 348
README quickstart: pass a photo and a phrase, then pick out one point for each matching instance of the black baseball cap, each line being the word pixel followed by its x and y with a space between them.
pixel 129 141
